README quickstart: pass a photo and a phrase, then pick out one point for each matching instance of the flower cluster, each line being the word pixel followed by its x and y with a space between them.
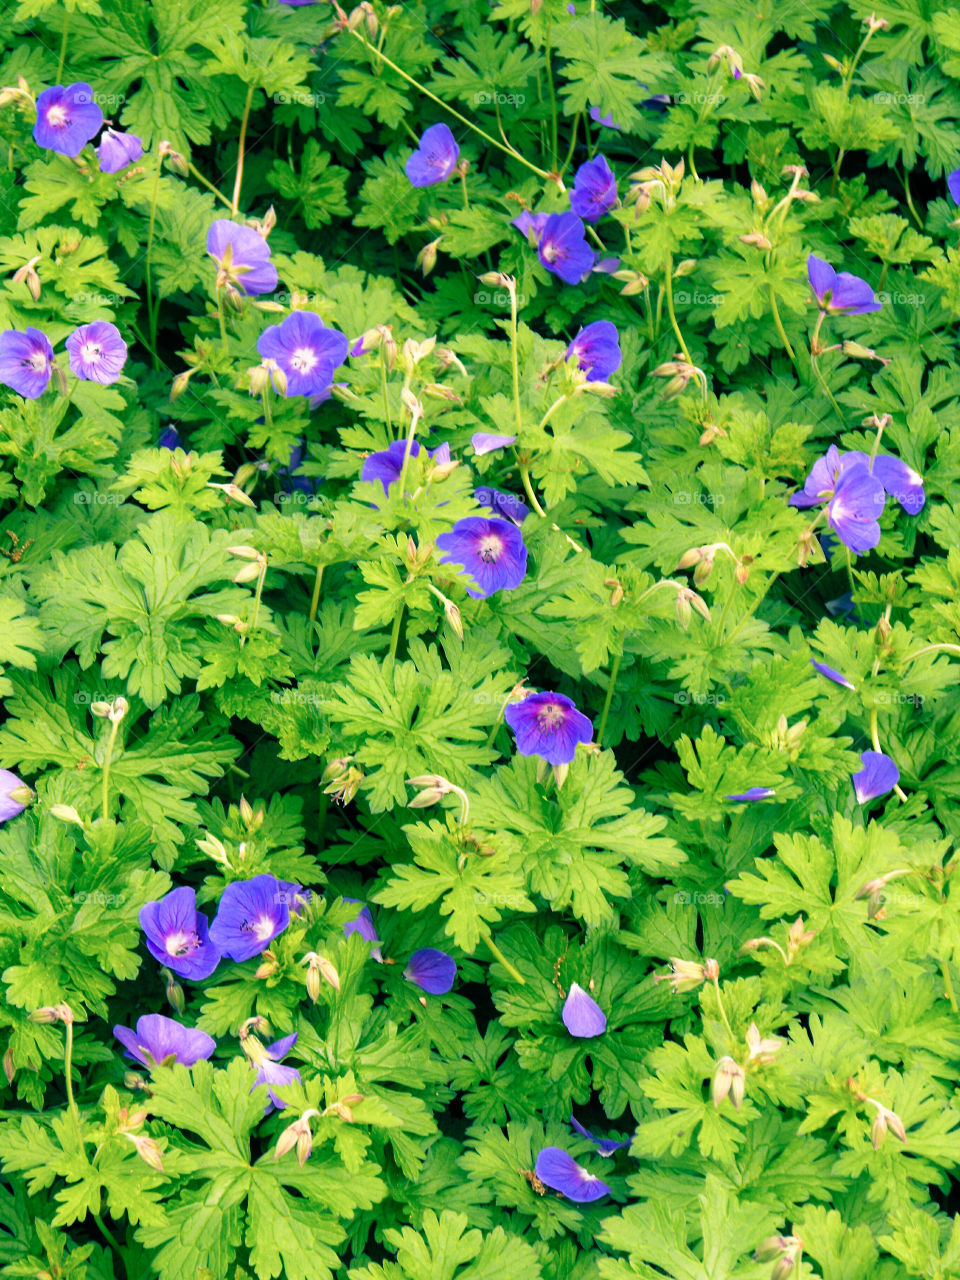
pixel 96 353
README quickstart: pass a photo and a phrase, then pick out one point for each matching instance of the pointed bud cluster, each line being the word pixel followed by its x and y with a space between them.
pixel 885 1119
pixel 757 239
pixel 175 159
pixel 66 813
pixel 297 1135
pixel 268 967
pixel 180 382
pixel 762 1050
pixel 724 53
pixel 873 891
pixel 174 992
pixel 147 1149
pixel 214 849
pixel 729 1078
pixel 686 975
pixel 615 587
pixel 426 259
pixel 9 1070
pixel 51 1013
pixel 28 276
pixel 687 600
pixel 233 492
pixel 680 373
pixel 786 737
pixel 785 1251
pixel 319 967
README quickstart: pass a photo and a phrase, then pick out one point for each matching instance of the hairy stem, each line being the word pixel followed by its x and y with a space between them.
pixel 241 146
pixel 608 700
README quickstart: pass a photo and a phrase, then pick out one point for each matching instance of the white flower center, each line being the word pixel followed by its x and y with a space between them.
pixel 182 943
pixel 550 716
pixel 304 360
pixel 37 362
pixel 491 548
pixel 90 352
pixel 263 928
pixel 57 117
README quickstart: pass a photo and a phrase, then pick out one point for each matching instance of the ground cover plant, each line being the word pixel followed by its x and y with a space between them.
pixel 479 634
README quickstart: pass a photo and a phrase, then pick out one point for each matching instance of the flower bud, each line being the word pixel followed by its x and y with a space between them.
pixel 147 1150
pixel 174 992
pixel 452 614
pixel 426 259
pixel 179 384
pixel 268 967
pixel 9 1070
pixel 234 493
pixel 28 276
pixel 729 1078
pixel 247 573
pixel 66 813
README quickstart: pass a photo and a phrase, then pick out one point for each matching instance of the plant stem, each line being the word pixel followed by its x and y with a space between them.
pixel 209 185
pixel 267 408
pixel 611 685
pixel 723 1012
pixel 395 633
pixel 238 183
pixel 383 392
pixel 463 183
pixel 930 648
pixel 153 310
pixel 780 329
pixel 105 780
pixel 554 134
pixel 875 740
pixel 68 1064
pixel 63 45
pixel 502 959
pixel 528 489
pixel 414 419
pixel 945 972
pixel 573 144
pixel 515 356
pixel 315 598
pixel 668 291
pixel 222 319
pixel 261 578
pixel 541 173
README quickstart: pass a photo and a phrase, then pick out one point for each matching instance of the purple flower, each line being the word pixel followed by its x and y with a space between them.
pixel 560 1172
pixel 26 360
pixel 485 442
pixel 306 350
pixel 177 935
pixel 9 808
pixel 97 353
pixel 605 1146
pixel 607 121
pixel 386 464
pixel 548 725
pixel 839 293
pixel 250 915
pixel 161 1041
pixel 362 923
pixel 530 224
pixel 432 971
pixel 435 158
pixel 953 185
pixel 899 481
pixel 594 190
pixel 270 1072
pixel 118 150
pixel 563 248
pixel 243 257
pixel 67 118
pixel 751 794
pixel 582 1016
pixel 597 348
pixel 855 497
pixel 169 438
pixel 829 672
pixel 502 504
pixel 878 776
pixel 491 551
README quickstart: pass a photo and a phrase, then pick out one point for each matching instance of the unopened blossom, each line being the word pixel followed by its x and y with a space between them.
pixel 605 1146
pixel 558 1170
pixel 752 794
pixel 159 1041
pixel 435 157
pixel 97 353
pixel 118 150
pixel 177 935
pixel 67 118
pixel 243 256
pixel 250 915
pixel 582 1016
pixel 491 551
pixel 548 725
pixel 839 292
pixel 26 362
pixel 306 351
pixel 597 349
pixel 594 190
pixel 831 674
pixel 431 970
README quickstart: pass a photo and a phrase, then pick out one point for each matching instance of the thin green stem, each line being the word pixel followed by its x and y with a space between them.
pixel 608 700
pixel 111 1241
pixel 502 960
pixel 105 780
pixel 267 408
pixel 515 357
pixel 383 391
pixel 541 173
pixel 63 46
pixel 153 307
pixel 68 1064
pixel 573 144
pixel 780 329
pixel 528 489
pixel 241 145
pixel 315 598
pixel 554 133
pixel 414 419
pixel 463 184
pixel 754 607
pixel 723 1012
pixel 209 185
pixel 222 319
pixel 909 198
pixel 668 293
pixel 395 633
pixel 261 578
pixel 931 648
pixel 947 982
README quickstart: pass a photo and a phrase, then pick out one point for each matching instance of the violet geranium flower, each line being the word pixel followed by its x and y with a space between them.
pixel 878 776
pixel 855 498
pixel 433 971
pixel 607 121
pixel 269 1070
pixel 169 438
pixel 548 725
pixel 250 915
pixel 506 505
pixel 363 924
pixel 96 352
pixel 488 442
pixel 67 118
pixel 306 350
pixel 559 1171
pixel 530 224
pixel 435 158
pixel 243 257
pixel 605 1146
pixel 118 150
pixel 953 185
pixel 597 348
pixel 563 248
pixel 177 935
pixel 26 362
pixel 594 190
pixel 840 293
pixel 831 674
pixel 582 1016
pixel 751 794
pixel 491 551
pixel 160 1041
pixel 899 481
pixel 11 787
pixel 386 464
